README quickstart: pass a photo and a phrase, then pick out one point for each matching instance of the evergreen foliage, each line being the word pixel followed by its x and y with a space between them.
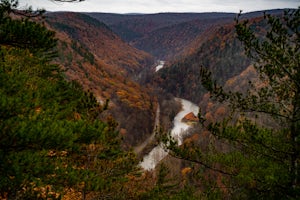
pixel 51 139
pixel 24 33
pixel 258 160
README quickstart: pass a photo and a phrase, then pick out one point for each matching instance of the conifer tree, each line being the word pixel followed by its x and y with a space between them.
pixel 261 161
pixel 51 139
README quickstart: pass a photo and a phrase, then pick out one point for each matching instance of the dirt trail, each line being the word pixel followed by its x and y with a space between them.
pixel 140 148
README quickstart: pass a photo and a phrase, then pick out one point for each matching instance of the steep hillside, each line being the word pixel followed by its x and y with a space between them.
pixel 164 34
pixel 100 41
pixel 216 49
pixel 141 24
pixel 169 41
pixel 103 64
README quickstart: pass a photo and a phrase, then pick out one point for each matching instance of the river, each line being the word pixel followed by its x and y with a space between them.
pixel 160 65
pixel 179 129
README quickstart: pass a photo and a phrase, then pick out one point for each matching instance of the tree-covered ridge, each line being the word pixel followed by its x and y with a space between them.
pixel 51 138
pixel 254 159
pixel 165 35
pixel 216 49
pixel 99 39
pixel 133 27
pixel 104 65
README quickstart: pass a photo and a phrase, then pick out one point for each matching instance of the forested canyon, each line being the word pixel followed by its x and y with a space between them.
pixel 149 106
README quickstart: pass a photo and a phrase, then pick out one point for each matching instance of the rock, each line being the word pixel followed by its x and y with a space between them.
pixel 190 117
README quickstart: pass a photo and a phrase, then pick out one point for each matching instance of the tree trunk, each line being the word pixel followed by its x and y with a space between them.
pixel 295 144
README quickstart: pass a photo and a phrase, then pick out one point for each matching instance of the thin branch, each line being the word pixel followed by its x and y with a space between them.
pixel 261 54
pixel 266 112
pixel 203 164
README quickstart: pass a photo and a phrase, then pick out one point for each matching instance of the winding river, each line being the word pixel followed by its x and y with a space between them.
pixel 179 129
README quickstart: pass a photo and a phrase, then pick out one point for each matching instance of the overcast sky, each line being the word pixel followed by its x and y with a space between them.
pixel 155 6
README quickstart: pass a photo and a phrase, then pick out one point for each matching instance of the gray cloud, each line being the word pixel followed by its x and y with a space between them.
pixel 153 6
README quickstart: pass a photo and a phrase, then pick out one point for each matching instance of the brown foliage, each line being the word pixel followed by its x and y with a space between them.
pixel 103 64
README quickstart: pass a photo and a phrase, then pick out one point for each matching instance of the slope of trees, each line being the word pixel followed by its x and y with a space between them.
pixel 99 39
pixel 102 63
pixel 217 49
pixel 51 138
pixel 256 160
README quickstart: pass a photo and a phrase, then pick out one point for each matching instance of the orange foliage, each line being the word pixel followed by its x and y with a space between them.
pixel 195 137
pixel 71 194
pixel 209 106
pixel 205 134
pixel 185 171
pixel 220 111
pixel 123 131
pixel 209 117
